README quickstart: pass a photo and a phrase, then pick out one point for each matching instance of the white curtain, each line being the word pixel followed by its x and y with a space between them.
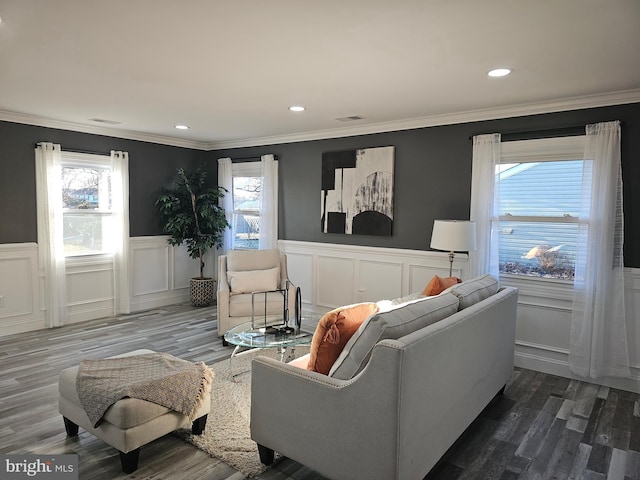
pixel 598 341
pixel 269 203
pixel 225 180
pixel 120 207
pixel 484 204
pixel 50 235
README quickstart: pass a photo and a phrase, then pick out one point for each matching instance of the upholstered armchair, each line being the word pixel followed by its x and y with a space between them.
pixel 241 272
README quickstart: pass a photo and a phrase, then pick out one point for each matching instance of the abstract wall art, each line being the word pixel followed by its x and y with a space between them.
pixel 357 191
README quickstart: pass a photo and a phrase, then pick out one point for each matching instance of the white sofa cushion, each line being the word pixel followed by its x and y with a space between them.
pixel 392 324
pixel 386 305
pixel 474 290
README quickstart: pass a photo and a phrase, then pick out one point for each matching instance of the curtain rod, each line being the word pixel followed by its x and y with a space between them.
pixel 88 152
pixel 540 133
pixel 255 157
pixel 544 133
pixel 77 150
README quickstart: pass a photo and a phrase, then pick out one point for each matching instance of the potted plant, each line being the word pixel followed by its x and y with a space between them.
pixel 191 215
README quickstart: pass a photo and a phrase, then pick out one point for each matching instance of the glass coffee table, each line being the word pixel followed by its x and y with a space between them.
pixel 285 339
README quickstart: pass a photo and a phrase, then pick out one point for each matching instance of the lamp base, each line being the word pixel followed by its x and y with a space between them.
pixel 451 255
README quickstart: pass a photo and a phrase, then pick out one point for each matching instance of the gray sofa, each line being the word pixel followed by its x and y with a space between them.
pixel 405 387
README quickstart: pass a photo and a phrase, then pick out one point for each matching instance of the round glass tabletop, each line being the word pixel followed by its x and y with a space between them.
pixel 268 337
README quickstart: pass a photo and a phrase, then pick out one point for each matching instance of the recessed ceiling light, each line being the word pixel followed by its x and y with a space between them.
pixel 297 108
pixel 499 72
pixel 182 127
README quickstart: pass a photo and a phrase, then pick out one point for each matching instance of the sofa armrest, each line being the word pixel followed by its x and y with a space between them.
pixel 309 417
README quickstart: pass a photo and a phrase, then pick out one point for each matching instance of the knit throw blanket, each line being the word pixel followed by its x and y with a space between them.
pixel 156 377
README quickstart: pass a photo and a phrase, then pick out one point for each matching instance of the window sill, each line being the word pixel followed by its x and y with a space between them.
pixel 532 288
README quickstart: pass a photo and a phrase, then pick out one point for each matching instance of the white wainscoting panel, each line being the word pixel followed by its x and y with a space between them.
pixel 19 289
pixel 540 325
pixel 160 273
pixel 335 279
pixel 331 275
pixel 89 288
pixel 15 277
pixel 150 264
pixel 300 270
pixel 371 289
pixel 544 325
pixel 420 275
pixel 185 267
pixel 632 307
pixel 152 274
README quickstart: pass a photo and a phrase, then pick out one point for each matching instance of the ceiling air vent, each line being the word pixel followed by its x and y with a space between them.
pixel 102 120
pixel 351 118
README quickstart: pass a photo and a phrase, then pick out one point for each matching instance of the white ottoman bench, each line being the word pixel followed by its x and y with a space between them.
pixel 127 424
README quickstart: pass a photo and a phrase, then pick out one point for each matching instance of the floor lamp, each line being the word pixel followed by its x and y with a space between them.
pixel 453 236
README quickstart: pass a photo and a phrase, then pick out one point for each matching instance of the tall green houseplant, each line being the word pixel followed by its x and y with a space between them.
pixel 191 215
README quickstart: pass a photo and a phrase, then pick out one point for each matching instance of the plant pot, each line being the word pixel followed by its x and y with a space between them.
pixel 202 291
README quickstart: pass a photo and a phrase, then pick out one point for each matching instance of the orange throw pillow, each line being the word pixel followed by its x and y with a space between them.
pixel 437 285
pixel 334 330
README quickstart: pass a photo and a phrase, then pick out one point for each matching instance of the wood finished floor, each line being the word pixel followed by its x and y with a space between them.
pixel 544 427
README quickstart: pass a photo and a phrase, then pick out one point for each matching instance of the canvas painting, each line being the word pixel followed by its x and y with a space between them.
pixel 357 191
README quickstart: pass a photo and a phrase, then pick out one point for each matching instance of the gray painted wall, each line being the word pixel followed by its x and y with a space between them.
pixel 432 175
pixel 151 166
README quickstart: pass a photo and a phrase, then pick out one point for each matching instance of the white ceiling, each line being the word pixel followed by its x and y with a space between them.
pixel 230 68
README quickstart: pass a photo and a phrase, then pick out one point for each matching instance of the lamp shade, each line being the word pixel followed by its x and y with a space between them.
pixel 453 235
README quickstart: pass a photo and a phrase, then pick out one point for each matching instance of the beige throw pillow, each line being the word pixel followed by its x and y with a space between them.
pixel 253 280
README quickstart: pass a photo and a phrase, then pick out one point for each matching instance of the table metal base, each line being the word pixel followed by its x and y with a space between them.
pixel 240 350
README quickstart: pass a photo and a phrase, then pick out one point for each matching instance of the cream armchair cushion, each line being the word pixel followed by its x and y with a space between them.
pixel 241 272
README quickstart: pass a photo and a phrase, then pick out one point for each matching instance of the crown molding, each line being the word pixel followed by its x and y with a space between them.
pixel 38 121
pixel 521 110
pixel 572 103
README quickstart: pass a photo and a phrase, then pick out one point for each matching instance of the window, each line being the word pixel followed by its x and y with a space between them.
pixel 87 204
pixel 246 192
pixel 539 184
pixel 251 206
pixel 82 210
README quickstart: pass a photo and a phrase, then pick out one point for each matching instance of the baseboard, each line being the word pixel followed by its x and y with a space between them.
pixel 21 326
pixel 139 304
pixel 89 310
pixel 555 362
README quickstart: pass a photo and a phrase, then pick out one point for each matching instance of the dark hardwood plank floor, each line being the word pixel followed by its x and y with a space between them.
pixel 543 427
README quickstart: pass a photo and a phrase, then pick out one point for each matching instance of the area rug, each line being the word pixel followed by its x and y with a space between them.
pixel 227 435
